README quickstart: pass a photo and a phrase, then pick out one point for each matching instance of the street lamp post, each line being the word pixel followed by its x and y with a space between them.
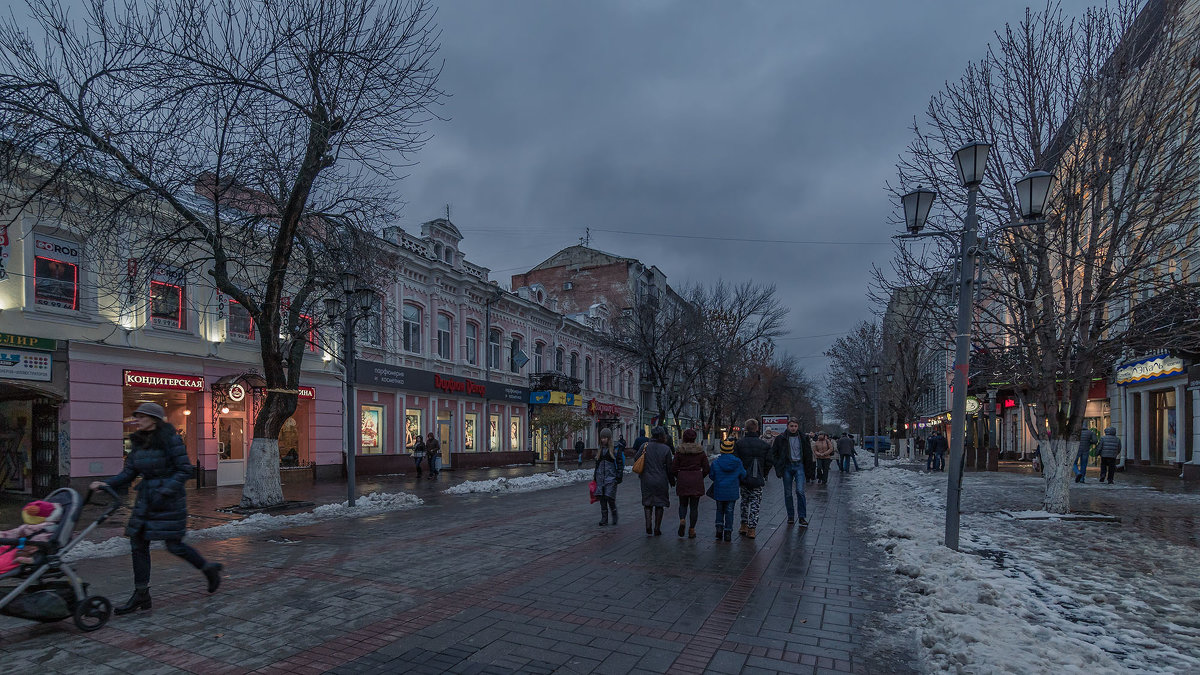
pixel 1032 192
pixel 862 427
pixel 875 405
pixel 353 314
pixel 889 378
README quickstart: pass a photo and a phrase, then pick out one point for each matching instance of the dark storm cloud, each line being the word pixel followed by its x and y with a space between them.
pixel 754 120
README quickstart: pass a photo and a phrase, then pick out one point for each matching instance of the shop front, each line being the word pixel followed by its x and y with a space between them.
pixel 1158 411
pixel 33 389
pixel 477 424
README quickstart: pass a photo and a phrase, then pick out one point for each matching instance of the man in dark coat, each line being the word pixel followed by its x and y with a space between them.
pixel 1109 449
pixel 579 450
pixel 160 510
pixel 937 450
pixel 791 454
pixel 845 448
pixel 756 458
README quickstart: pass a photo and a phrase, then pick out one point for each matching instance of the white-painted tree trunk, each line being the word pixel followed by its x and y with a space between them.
pixel 1056 460
pixel 262 486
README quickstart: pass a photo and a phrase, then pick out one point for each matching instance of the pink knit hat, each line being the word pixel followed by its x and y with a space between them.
pixel 40 511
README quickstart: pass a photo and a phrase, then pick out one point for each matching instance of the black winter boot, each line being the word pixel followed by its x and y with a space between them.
pixel 649 526
pixel 613 507
pixel 658 516
pixel 212 572
pixel 603 513
pixel 139 600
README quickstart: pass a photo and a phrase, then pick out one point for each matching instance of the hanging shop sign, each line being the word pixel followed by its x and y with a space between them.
pixel 148 380
pixel 973 405
pixel 308 393
pixel 17 364
pixel 555 398
pixel 237 392
pixel 597 409
pixel 1151 368
pixel 26 342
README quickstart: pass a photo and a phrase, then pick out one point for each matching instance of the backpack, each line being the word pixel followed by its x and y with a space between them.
pixel 754 475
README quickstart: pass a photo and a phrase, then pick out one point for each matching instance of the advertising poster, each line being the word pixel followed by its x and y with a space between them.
pixel 773 425
pixel 372 429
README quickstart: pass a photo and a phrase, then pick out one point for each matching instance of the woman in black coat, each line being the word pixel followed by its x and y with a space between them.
pixel 160 511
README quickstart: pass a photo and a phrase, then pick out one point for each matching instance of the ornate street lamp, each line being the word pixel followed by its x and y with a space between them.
pixel 1033 191
pixel 916 208
pixel 971 161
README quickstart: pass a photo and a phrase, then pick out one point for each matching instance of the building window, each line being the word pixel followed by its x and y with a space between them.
pixel 514 434
pixel 470 430
pixel 514 355
pixel 587 372
pixel 167 295
pixel 371 430
pixel 241 324
pixel 308 332
pixel 493 355
pixel 538 349
pixel 55 272
pixel 493 433
pixel 412 328
pixel 443 335
pixel 558 360
pixel 412 426
pixel 472 344
pixel 370 327
pixel 574 364
pixel 568 285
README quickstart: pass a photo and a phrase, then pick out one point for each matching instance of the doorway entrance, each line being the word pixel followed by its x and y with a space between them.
pixel 444 434
pixel 231 450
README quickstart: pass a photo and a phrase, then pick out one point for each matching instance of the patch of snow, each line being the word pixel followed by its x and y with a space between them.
pixel 538 481
pixel 1063 597
pixel 366 505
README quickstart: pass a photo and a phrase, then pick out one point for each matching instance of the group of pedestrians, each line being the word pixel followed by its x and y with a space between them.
pixel 429 452
pixel 738 473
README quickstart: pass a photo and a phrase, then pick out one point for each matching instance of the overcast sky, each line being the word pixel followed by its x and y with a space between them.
pixel 712 122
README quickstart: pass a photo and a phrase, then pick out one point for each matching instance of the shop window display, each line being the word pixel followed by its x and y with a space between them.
pixel 371 432
pixel 412 426
pixel 56 272
pixel 494 433
pixel 514 434
pixel 470 429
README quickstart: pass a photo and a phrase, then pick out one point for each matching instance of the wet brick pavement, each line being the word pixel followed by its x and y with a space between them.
pixel 520 583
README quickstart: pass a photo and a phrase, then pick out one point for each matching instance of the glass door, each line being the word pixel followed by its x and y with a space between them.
pixel 231 450
pixel 445 434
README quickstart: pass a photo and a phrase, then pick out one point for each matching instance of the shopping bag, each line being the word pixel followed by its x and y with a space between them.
pixel 592 492
pixel 640 464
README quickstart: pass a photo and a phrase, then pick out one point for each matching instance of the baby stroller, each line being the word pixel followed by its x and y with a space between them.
pixel 49 589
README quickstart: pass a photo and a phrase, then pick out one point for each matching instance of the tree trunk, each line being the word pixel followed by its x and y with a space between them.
pixel 262 487
pixel 1056 463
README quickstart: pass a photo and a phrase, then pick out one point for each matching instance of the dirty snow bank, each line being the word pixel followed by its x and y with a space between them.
pixel 366 505
pixel 1030 596
pixel 538 481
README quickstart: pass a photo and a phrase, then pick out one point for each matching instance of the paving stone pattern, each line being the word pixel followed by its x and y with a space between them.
pixel 524 583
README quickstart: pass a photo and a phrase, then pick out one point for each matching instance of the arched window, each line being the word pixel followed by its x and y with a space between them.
pixel 587 372
pixel 599 375
pixel 412 328
pixel 472 343
pixel 558 360
pixel 574 364
pixel 444 338
pixel 538 350
pixel 493 355
pixel 370 328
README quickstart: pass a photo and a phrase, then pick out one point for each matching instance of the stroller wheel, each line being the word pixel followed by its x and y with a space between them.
pixel 93 613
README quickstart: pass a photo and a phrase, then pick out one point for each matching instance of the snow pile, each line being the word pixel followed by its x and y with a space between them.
pixel 366 505
pixel 538 481
pixel 1030 596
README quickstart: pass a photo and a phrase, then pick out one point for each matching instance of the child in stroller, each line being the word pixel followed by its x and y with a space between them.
pixel 46 588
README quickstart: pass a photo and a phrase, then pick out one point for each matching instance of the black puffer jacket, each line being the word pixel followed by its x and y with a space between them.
pixel 749 448
pixel 161 460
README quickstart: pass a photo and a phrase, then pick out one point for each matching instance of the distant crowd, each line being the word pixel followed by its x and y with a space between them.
pixel 738 473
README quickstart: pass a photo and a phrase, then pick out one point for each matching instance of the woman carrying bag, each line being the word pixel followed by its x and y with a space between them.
pixel 656 477
pixel 160 511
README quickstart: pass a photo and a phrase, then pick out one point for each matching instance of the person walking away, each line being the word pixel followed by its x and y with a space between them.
pixel 610 469
pixel 1086 440
pixel 579 450
pixel 937 451
pixel 845 449
pixel 690 466
pixel 823 451
pixel 1109 448
pixel 726 472
pixel 418 454
pixel 792 456
pixel 159 513
pixel 756 458
pixel 657 477
pixel 433 453
pixel 639 442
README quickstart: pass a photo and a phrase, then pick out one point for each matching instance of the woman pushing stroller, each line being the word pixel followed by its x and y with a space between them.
pixel 160 511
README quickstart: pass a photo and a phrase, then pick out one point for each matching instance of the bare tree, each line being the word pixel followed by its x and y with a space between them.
pixel 558 422
pixel 850 355
pixel 1107 103
pixel 255 142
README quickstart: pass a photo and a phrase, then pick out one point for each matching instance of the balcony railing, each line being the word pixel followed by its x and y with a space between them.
pixel 555 382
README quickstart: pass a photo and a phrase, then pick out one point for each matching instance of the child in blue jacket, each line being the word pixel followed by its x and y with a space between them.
pixel 726 472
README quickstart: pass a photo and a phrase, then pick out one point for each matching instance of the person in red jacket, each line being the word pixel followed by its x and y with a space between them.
pixel 691 466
